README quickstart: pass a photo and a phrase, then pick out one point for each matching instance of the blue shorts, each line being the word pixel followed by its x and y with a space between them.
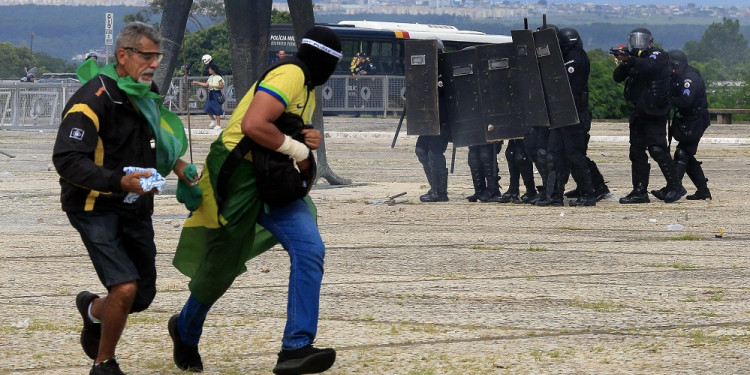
pixel 122 249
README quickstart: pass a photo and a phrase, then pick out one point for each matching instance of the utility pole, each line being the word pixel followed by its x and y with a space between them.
pixel 31 47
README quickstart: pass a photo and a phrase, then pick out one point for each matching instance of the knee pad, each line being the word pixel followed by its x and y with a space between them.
pixel 658 153
pixel 681 156
pixel 143 298
pixel 421 155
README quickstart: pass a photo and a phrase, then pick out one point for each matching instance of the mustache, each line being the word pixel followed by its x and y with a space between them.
pixel 149 71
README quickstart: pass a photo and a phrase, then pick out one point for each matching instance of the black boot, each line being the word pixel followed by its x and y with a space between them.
pixel 477 178
pixel 695 172
pixel 430 178
pixel 526 168
pixel 509 196
pixel 675 190
pixel 553 196
pixel 640 184
pixel 582 177
pixel 492 192
pixel 600 186
pixel 440 189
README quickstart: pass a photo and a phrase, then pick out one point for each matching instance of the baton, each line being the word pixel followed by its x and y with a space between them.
pixel 398 128
pixel 453 158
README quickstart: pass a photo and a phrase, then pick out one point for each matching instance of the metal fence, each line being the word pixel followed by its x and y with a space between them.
pixel 39 105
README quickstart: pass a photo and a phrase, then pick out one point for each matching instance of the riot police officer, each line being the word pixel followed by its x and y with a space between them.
pixel 690 120
pixel 646 72
pixel 589 180
pixel 535 143
pixel 430 151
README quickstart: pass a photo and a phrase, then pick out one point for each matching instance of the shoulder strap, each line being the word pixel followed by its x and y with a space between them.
pixel 245 144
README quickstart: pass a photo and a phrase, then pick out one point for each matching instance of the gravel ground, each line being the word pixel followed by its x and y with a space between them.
pixel 414 288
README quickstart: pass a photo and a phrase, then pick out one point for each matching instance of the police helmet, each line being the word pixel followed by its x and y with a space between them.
pixel 568 37
pixel 640 38
pixel 678 59
pixel 206 59
pixel 92 55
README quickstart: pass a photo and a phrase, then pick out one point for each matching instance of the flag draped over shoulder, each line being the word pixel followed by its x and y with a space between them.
pixel 171 141
pixel 213 246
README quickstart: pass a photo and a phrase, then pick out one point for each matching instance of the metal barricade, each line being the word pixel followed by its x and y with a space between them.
pixel 33 105
pixel 40 105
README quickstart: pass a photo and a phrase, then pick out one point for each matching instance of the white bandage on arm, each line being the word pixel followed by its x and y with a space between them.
pixel 296 149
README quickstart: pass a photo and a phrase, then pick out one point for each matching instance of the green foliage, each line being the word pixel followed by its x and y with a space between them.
pixel 722 41
pixel 605 96
pixel 213 41
pixel 14 60
pixel 280 17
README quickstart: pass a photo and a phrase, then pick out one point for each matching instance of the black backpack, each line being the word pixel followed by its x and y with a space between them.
pixel 278 180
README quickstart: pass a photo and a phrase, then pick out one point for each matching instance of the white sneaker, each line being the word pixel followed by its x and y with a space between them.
pixel 212 124
pixel 217 127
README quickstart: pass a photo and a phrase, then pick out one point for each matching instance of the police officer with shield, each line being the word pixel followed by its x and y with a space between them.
pixel 690 120
pixel 589 180
pixel 430 151
pixel 646 72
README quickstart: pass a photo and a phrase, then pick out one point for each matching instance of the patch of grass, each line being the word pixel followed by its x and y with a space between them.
pixel 651 346
pixel 679 266
pixel 535 249
pixel 686 237
pixel 602 306
pixel 484 247
pixel 689 299
pixel 715 295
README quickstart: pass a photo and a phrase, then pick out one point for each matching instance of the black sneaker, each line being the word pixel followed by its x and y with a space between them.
pixel 185 357
pixel 305 360
pixel 108 367
pixel 91 332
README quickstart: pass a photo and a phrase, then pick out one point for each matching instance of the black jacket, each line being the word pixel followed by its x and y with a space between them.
pixel 578 67
pixel 101 132
pixel 646 81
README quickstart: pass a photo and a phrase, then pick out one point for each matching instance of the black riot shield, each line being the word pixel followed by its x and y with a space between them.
pixel 460 78
pixel 528 80
pixel 561 107
pixel 421 82
pixel 502 113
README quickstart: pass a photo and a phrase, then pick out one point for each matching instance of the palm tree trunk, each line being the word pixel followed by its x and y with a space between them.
pixel 249 26
pixel 303 19
pixel 173 20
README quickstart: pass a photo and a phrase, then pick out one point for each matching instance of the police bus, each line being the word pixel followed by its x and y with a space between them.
pixel 382 42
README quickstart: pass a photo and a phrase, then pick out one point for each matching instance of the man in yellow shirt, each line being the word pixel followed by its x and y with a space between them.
pixel 218 239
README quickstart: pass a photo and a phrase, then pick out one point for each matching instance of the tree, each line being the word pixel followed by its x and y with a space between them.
pixel 722 41
pixel 248 22
pixel 605 96
pixel 303 19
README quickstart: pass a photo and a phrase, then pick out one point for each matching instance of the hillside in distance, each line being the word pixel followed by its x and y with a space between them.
pixel 69 31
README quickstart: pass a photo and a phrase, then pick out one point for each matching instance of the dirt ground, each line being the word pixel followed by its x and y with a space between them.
pixel 415 288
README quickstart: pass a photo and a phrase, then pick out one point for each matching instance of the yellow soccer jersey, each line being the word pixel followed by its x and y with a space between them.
pixel 287 84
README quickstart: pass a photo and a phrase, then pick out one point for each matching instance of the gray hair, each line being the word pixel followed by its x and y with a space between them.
pixel 131 34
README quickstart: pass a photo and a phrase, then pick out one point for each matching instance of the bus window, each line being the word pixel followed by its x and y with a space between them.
pixel 382 56
pixel 349 49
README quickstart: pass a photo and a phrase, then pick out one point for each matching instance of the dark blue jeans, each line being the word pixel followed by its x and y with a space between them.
pixel 295 228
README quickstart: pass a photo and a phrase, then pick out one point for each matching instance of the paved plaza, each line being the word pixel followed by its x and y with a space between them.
pixel 411 288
